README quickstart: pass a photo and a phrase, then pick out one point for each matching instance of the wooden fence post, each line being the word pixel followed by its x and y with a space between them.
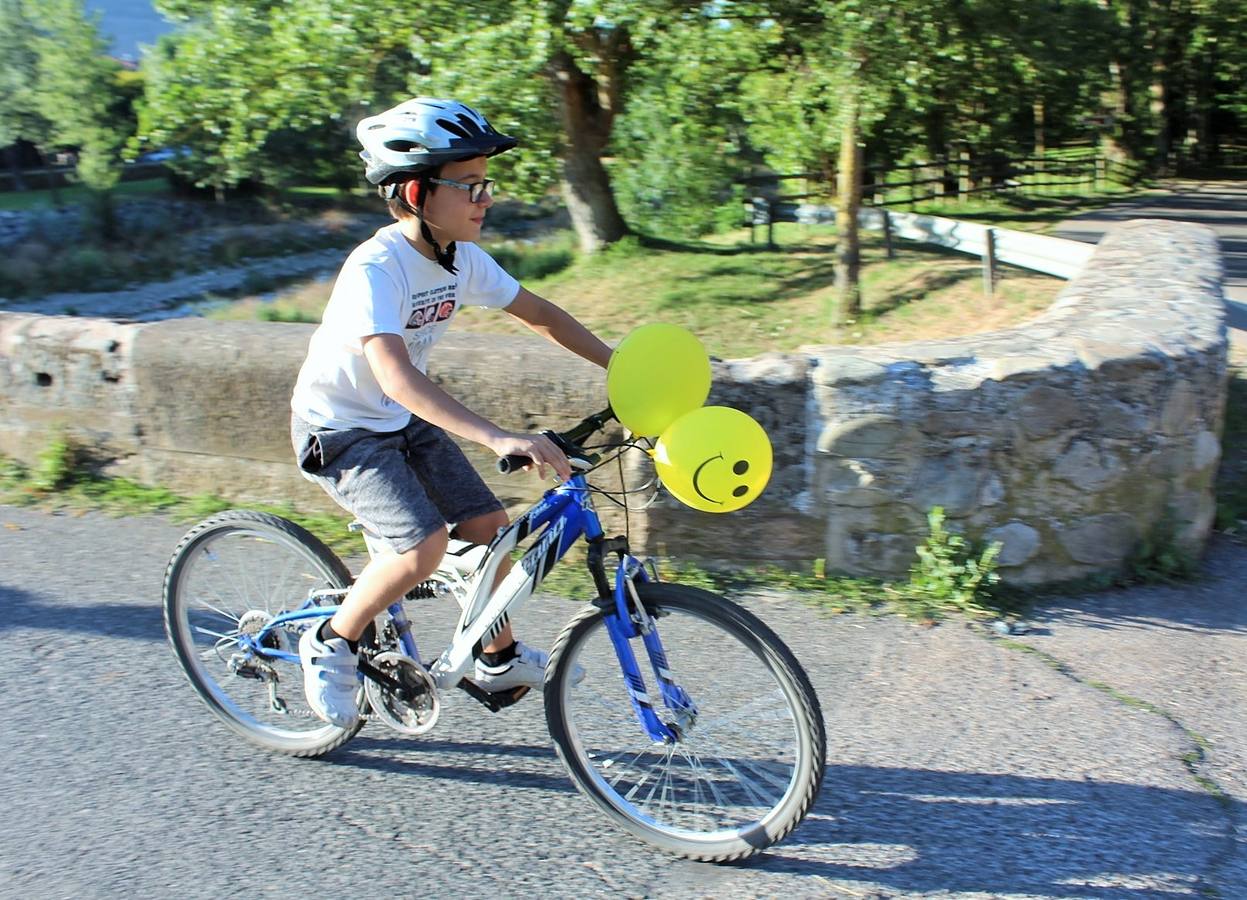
pixel 989 263
pixel 887 234
pixel 963 175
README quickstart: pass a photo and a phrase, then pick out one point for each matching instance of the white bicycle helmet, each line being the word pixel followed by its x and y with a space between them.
pixel 423 133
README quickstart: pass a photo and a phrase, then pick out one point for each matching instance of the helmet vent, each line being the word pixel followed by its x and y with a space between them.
pixel 404 146
pixel 469 124
pixel 453 127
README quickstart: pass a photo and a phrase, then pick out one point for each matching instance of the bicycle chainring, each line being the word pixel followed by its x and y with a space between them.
pixel 417 713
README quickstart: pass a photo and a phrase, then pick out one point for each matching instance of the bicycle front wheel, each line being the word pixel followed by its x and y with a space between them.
pixel 745 767
pixel 229 576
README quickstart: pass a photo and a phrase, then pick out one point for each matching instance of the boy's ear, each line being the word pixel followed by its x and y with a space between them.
pixel 411 193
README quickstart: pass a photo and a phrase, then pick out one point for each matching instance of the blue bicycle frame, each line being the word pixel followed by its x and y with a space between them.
pixel 563 515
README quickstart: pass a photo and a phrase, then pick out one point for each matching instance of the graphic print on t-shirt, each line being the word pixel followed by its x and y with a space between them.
pixel 434 305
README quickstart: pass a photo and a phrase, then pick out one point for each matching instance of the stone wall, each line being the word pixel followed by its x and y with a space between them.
pixel 1071 439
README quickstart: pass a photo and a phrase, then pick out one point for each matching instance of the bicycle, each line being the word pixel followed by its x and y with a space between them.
pixel 716 764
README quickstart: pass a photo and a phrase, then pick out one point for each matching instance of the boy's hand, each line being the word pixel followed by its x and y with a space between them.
pixel 537 447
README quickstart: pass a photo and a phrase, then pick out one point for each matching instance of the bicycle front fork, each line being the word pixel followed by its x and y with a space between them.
pixel 630 619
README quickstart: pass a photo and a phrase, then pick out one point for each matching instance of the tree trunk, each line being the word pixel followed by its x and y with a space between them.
pixel 11 154
pixel 849 194
pixel 1117 139
pixel 1038 114
pixel 588 110
pixel 590 201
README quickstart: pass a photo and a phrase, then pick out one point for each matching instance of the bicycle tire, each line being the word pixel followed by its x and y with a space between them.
pixel 213 552
pixel 756 652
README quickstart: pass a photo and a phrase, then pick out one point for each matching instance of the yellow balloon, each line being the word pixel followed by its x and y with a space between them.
pixel 656 374
pixel 715 458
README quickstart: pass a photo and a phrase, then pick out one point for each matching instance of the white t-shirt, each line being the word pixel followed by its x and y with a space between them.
pixel 387 287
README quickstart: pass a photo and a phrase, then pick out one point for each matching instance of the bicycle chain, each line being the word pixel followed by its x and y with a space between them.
pixel 308 714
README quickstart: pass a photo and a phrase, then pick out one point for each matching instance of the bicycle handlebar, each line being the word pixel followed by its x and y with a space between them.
pixel 568 441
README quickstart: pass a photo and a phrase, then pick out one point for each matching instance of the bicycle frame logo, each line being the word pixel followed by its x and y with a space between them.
pixel 542 556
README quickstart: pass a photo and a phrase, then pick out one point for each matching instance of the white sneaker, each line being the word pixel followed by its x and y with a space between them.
pixel 330 678
pixel 527 669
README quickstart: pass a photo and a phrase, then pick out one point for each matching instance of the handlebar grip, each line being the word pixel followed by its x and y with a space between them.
pixel 513 463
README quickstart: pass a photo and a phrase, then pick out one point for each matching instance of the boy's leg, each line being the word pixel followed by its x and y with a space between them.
pixel 367 474
pixel 505 663
pixel 329 652
pixel 385 579
pixel 481 530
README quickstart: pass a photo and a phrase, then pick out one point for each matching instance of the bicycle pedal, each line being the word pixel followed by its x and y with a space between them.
pixel 495 702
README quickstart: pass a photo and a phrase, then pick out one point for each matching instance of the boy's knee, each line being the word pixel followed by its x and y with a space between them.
pixel 420 561
pixel 481 530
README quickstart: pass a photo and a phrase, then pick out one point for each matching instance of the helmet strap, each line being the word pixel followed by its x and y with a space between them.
pixel 445 257
pixel 417 192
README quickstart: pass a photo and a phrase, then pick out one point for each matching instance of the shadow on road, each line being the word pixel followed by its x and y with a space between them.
pixel 974 832
pixel 908 829
pixel 134 621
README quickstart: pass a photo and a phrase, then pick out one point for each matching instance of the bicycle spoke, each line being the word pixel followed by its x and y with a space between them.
pixel 233 574
pixel 216 634
pixel 745 758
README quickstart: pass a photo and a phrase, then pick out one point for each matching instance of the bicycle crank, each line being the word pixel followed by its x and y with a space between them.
pixel 414 706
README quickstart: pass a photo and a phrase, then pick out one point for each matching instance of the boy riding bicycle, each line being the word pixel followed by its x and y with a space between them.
pixel 369 426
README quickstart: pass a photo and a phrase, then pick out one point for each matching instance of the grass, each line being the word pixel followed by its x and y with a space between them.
pixel 1023 213
pixel 163 247
pixel 740 299
pixel 63 478
pixel 66 477
pixel 43 198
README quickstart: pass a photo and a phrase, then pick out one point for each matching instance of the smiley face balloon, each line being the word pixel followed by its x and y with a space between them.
pixel 715 459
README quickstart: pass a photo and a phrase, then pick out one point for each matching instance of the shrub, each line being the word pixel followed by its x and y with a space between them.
pixel 947 574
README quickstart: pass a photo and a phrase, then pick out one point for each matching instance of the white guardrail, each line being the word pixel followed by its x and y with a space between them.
pixel 1037 252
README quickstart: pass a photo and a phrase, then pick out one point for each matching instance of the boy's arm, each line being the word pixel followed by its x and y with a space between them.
pixel 558 325
pixel 405 384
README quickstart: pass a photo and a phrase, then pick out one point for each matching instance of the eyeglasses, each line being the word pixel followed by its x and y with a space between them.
pixel 475 190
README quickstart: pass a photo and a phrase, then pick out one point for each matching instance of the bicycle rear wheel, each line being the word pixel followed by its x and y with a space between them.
pixel 740 776
pixel 230 575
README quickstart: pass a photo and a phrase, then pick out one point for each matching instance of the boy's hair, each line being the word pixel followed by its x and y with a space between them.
pixel 392 192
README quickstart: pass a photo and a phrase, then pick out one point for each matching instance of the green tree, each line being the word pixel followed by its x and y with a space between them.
pixel 77 90
pixel 19 66
pixel 854 84
pixel 238 83
pixel 840 62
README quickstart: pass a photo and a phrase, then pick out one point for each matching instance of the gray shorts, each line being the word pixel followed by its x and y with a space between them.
pixel 402 485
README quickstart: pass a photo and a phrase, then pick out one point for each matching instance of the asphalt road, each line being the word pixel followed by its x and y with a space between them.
pixel 958 765
pixel 1221 205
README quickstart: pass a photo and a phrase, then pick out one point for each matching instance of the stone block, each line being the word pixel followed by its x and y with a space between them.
pixel 1207 451
pixel 840 370
pixel 70 375
pixel 1106 539
pixel 1019 543
pixel 1045 410
pixel 1008 366
pixel 868 437
pixel 953 482
pixel 1180 409
pixel 1121 421
pixel 1086 466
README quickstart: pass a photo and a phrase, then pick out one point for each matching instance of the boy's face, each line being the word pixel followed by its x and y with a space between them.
pixel 449 212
